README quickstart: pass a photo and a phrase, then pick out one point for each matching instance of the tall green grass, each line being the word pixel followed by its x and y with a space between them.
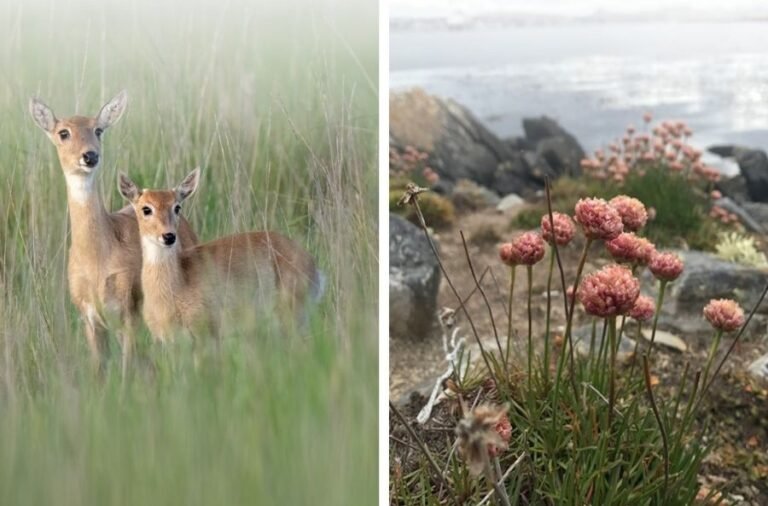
pixel 276 102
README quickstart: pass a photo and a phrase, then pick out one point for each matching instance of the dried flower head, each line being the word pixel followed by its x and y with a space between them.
pixel 724 314
pixel 598 219
pixel 643 309
pixel 631 249
pixel 564 228
pixel 609 292
pixel 525 249
pixel 482 433
pixel 632 212
pixel 666 266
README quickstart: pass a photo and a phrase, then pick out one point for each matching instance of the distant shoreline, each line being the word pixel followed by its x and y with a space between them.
pixel 411 24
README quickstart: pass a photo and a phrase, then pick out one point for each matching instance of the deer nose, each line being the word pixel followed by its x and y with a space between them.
pixel 91 158
pixel 169 239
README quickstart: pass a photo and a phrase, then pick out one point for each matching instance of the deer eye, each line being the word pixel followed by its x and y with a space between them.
pixel 63 134
pixel 98 132
pixel 177 209
pixel 146 210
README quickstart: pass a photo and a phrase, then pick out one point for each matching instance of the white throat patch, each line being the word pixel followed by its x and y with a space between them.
pixel 154 253
pixel 80 187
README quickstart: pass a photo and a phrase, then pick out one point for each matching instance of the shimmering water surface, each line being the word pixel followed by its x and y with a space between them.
pixel 598 78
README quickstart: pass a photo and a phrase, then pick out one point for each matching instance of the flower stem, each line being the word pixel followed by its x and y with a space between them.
pixel 529 269
pixel 659 302
pixel 509 311
pixel 612 386
pixel 712 353
pixel 549 315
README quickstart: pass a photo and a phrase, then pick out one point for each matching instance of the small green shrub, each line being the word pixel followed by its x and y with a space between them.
pixel 438 210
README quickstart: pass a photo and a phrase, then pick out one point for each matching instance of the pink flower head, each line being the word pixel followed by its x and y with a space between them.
pixel 666 266
pixel 525 249
pixel 716 195
pixel 647 117
pixel 564 228
pixel 609 292
pixel 724 314
pixel 598 219
pixel 643 309
pixel 632 212
pixel 504 429
pixel 631 249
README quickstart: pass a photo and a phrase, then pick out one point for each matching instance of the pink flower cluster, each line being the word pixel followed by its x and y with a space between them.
pixel 525 249
pixel 564 228
pixel 598 219
pixel 611 291
pixel 724 314
pixel 722 215
pixel 643 309
pixel 666 144
pixel 666 266
pixel 631 249
pixel 504 429
pixel 410 162
pixel 632 212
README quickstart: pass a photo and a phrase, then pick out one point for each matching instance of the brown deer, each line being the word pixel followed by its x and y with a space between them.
pixel 104 270
pixel 190 288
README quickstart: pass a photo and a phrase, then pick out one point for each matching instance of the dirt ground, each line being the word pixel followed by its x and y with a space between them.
pixel 737 411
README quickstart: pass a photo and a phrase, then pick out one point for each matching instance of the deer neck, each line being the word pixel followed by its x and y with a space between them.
pixel 161 272
pixel 88 217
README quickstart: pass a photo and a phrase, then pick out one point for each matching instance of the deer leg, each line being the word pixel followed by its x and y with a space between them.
pixel 96 333
pixel 127 336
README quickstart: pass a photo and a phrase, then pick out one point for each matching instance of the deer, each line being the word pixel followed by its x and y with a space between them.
pixel 104 264
pixel 189 289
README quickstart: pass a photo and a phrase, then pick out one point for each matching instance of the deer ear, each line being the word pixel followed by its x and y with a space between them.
pixel 127 188
pixel 189 185
pixel 113 110
pixel 42 114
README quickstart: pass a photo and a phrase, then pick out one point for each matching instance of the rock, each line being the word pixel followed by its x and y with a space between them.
pixel 414 278
pixel 562 156
pixel 513 176
pixel 746 218
pixel 511 201
pixel 707 277
pixel 735 188
pixel 665 338
pixel 554 145
pixel 753 164
pixel 469 196
pixel 582 339
pixel 758 211
pixel 460 146
pixel 722 150
pixel 759 368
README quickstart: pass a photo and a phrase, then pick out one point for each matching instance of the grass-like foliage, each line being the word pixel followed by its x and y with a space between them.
pixel 680 209
pixel 544 424
pixel 276 102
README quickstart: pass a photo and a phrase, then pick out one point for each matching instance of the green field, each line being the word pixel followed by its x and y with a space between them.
pixel 277 102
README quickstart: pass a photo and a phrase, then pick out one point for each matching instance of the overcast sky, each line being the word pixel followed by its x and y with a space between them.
pixel 710 8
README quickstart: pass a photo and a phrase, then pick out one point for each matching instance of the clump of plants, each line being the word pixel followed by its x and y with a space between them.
pixel 660 167
pixel 410 164
pixel 553 427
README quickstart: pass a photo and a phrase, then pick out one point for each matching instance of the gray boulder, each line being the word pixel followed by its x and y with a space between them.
pixel 414 279
pixel 758 211
pixel 470 196
pixel 556 148
pixel 753 164
pixel 460 147
pixel 707 277
pixel 745 216
pixel 734 187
